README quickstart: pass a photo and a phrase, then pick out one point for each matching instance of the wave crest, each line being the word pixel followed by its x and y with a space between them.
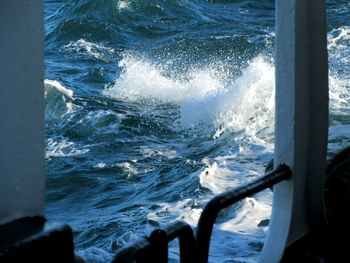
pixel 59 99
pixel 207 96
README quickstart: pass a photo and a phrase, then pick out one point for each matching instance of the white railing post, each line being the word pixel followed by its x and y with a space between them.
pixel 301 122
pixel 22 176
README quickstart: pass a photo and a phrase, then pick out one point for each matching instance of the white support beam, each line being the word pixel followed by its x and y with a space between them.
pixel 301 122
pixel 22 175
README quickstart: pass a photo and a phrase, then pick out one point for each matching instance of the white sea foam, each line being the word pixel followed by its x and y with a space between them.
pixel 101 121
pixel 128 168
pixel 123 5
pixel 246 104
pixel 184 210
pixel 339 38
pixel 62 147
pixel 338 46
pixel 83 47
pixel 214 174
pixel 55 84
pixel 240 238
pixel 59 99
pixel 206 96
pixel 141 79
pixel 100 165
pixel 339 95
pixel 219 175
pixel 147 151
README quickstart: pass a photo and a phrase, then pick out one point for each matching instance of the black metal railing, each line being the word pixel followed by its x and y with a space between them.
pixel 155 247
pixel 221 201
pixel 195 248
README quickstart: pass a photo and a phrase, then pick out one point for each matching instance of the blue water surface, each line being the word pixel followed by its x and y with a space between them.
pixel 154 106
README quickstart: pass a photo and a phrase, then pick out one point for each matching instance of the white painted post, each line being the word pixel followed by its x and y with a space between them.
pixel 301 122
pixel 22 173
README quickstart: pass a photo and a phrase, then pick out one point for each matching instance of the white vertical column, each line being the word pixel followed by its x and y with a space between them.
pixel 301 122
pixel 22 170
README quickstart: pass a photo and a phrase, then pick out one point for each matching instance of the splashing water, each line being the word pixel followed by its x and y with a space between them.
pixel 207 97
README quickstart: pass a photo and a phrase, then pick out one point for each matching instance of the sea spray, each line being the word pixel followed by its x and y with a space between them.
pixel 207 96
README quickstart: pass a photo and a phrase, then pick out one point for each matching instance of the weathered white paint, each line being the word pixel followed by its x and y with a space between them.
pixel 301 122
pixel 21 109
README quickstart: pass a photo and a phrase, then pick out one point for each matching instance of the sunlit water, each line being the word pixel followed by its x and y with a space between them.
pixel 155 106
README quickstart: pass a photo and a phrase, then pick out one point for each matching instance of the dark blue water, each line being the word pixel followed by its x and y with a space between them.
pixel 154 106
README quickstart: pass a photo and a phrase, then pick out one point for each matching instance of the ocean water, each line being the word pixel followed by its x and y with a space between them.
pixel 155 106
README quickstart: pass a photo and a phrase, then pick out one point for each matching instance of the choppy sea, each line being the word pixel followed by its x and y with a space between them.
pixel 155 106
